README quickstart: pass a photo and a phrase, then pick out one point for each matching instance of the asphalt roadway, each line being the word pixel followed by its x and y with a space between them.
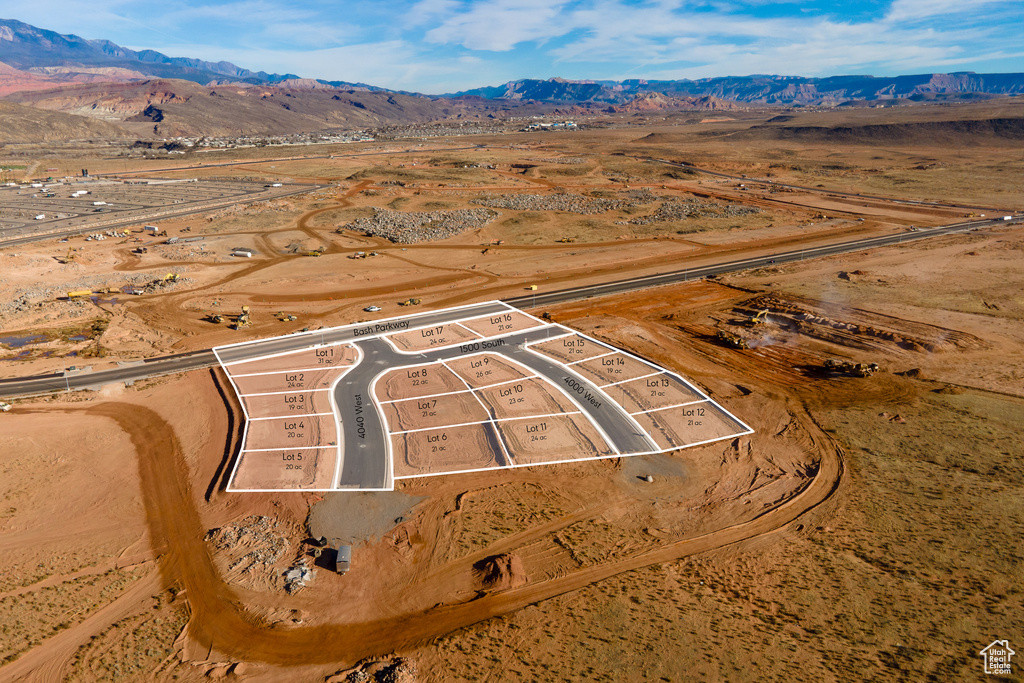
pixel 32 386
pixel 366 451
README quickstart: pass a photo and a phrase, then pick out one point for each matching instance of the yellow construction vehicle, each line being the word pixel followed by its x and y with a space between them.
pixel 409 302
pixel 532 288
pixel 171 277
pixel 567 240
pixel 215 318
pixel 242 321
pixel 69 258
pixel 760 318
pixel 733 340
pixel 80 294
pixel 851 368
pixel 315 252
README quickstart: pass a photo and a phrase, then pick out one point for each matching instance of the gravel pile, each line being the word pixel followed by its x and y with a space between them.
pixel 674 210
pixel 420 226
pixel 258 534
pixel 572 203
pixel 561 160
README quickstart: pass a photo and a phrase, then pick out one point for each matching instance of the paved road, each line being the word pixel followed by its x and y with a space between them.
pixel 30 386
pixel 366 451
pixel 675 276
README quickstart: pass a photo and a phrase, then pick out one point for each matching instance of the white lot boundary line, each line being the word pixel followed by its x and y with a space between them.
pixel 472 332
pixel 479 339
pixel 460 391
pixel 389 449
pixel 566 394
pixel 584 360
pixel 494 419
pixel 293 448
pixel 245 428
pixel 600 430
pixel 278 417
pixel 281 372
pixel 684 381
pixel 633 379
pixel 678 405
pixel 337 428
pixel 278 393
pixel 321 332
pixel 289 353
pixel 540 323
pixel 494 428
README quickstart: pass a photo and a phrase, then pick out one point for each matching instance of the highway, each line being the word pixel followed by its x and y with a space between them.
pixel 30 386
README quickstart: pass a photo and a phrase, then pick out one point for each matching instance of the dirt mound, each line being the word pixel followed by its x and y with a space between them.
pixel 501 572
pixel 925 132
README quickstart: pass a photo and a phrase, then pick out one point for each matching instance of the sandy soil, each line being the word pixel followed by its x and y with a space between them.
pixel 503 323
pixel 293 403
pixel 308 359
pixel 648 393
pixel 421 380
pixel 859 533
pixel 526 398
pixel 448 449
pixel 438 411
pixel 613 369
pixel 480 370
pixel 571 348
pixel 291 432
pixel 293 469
pixel 552 438
pixel 431 338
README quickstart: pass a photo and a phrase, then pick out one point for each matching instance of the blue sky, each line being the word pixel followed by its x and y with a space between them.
pixel 436 46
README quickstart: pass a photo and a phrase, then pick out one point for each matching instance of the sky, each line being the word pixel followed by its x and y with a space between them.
pixel 439 46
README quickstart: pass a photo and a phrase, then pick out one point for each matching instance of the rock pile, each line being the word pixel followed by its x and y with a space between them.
pixel 572 203
pixel 255 540
pixel 420 226
pixel 674 210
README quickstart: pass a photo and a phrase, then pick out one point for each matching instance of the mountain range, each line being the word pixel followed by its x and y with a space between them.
pixel 145 94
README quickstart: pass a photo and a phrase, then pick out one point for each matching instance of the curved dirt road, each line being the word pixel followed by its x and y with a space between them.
pixel 219 622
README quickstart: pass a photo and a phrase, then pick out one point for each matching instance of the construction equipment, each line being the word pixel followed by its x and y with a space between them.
pixel 242 321
pixel 409 302
pixel 851 368
pixel 215 318
pixel 79 293
pixel 759 319
pixel 315 252
pixel 171 277
pixel 69 258
pixel 567 240
pixel 285 317
pixel 532 288
pixel 732 340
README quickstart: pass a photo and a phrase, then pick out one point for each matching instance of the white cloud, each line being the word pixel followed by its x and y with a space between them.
pixel 499 25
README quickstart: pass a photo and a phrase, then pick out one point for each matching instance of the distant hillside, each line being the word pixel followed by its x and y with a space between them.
pixel 182 108
pixel 948 133
pixel 787 90
pixel 21 124
pixel 70 58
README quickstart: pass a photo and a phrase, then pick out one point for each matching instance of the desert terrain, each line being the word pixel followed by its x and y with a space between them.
pixel 869 528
